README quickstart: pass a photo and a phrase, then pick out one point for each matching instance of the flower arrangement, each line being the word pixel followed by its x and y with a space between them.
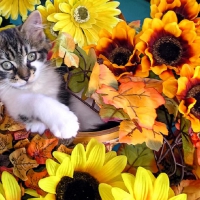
pixel 145 77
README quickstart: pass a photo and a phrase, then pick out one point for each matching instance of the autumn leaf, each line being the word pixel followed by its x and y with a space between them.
pixel 78 78
pixel 136 100
pixel 138 156
pixel 64 149
pixel 21 134
pixel 11 125
pixel 110 113
pixel 40 149
pixel 131 133
pixel 5 142
pixel 189 187
pixel 101 74
pixel 22 143
pixel 64 47
pixel 33 178
pixel 22 163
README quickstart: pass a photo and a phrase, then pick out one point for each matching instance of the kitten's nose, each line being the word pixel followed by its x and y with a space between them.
pixel 25 78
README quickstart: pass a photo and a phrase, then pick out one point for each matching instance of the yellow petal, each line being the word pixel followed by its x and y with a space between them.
pixel 143 187
pixel 161 187
pixel 2 191
pixel 65 169
pixel 60 156
pixel 112 168
pixel 105 191
pixel 173 29
pixel 51 167
pixel 49 184
pixel 120 194
pixel 96 159
pixel 78 157
pixel 110 155
pixel 10 185
pixel 129 180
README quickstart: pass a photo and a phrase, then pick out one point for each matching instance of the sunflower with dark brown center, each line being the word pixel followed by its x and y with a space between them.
pixel 117 50
pixel 184 9
pixel 77 176
pixel 167 45
pixel 189 95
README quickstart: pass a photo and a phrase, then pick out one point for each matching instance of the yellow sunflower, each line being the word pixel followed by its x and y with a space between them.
pixel 9 188
pixel 143 186
pixel 184 9
pixel 46 11
pixel 83 19
pixel 77 176
pixel 167 45
pixel 14 8
pixel 117 50
pixel 188 94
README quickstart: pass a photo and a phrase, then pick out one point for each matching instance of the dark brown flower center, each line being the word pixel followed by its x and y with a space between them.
pixel 167 50
pixel 82 186
pixel 195 93
pixel 120 56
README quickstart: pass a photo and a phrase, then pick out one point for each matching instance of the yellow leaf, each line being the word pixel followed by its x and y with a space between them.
pixel 22 163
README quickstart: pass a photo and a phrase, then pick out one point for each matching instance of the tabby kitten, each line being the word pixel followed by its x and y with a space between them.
pixel 30 86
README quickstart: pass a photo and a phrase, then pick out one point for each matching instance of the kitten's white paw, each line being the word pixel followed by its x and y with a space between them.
pixel 36 126
pixel 65 126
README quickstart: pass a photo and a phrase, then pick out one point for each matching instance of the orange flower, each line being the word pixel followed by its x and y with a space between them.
pixel 184 9
pixel 167 45
pixel 188 93
pixel 118 52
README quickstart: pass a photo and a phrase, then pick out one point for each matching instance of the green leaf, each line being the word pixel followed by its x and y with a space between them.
pixel 79 77
pixel 138 155
pixel 188 148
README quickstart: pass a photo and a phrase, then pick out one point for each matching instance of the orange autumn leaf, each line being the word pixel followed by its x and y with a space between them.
pixel 130 133
pixel 33 178
pixel 149 82
pixel 64 47
pixel 22 163
pixel 64 149
pixel 100 75
pixel 5 142
pixel 189 187
pixel 135 99
pixel 40 148
pixel 22 143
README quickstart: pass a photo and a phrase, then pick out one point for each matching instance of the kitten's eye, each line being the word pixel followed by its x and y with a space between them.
pixel 31 57
pixel 7 65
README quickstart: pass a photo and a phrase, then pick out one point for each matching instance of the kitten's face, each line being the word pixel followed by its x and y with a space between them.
pixel 23 53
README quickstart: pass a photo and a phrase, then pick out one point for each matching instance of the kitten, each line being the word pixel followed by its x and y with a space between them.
pixel 30 88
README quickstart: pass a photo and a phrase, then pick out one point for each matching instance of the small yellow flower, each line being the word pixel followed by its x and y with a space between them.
pixel 9 188
pixel 14 8
pixel 80 174
pixel 143 186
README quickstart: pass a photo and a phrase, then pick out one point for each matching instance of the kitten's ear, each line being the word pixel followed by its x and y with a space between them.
pixel 33 27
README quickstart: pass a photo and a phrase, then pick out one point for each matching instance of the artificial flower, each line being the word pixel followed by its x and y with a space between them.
pixel 83 19
pixel 9 188
pixel 117 50
pixel 143 186
pixel 167 45
pixel 14 8
pixel 184 9
pixel 80 174
pixel 188 95
pixel 47 10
